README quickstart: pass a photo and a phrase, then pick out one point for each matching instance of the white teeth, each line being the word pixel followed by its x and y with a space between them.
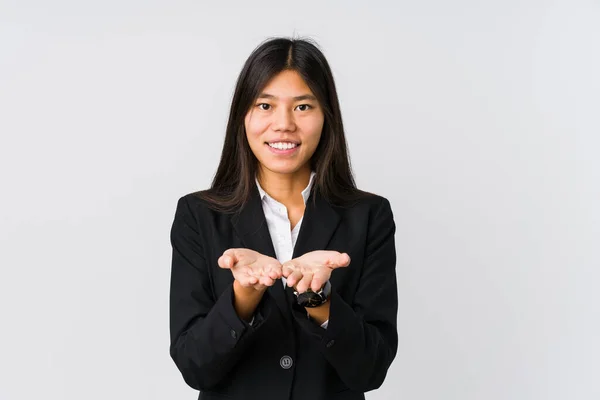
pixel 283 145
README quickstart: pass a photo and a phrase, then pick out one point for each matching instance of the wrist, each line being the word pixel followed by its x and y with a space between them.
pixel 245 300
pixel 248 291
pixel 319 314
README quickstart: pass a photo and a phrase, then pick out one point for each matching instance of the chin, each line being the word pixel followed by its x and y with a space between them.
pixel 281 169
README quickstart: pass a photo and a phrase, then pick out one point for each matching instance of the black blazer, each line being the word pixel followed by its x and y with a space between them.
pixel 284 355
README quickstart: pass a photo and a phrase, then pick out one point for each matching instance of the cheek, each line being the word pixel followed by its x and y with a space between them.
pixel 313 130
pixel 253 132
pixel 255 127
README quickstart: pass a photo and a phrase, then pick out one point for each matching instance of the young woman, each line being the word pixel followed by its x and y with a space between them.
pixel 283 282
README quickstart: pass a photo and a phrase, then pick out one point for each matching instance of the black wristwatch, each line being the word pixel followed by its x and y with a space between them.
pixel 312 299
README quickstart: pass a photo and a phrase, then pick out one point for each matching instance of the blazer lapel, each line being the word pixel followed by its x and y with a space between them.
pixel 251 226
pixel 318 226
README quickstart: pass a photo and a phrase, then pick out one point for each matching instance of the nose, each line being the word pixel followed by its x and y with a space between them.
pixel 283 120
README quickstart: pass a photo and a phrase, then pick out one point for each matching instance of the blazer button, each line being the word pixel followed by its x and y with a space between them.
pixel 286 362
pixel 233 334
pixel 330 343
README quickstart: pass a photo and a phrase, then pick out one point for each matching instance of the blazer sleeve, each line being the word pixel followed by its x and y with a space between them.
pixel 207 335
pixel 361 339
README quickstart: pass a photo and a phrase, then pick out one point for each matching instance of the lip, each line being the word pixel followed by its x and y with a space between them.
pixel 282 152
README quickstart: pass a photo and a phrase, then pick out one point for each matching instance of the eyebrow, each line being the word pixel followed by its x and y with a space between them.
pixel 297 98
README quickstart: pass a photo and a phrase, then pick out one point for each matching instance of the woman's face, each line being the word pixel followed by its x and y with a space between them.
pixel 284 124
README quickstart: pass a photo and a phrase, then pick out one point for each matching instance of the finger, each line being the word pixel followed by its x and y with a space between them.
pixel 294 278
pixel 278 268
pixel 320 276
pixel 234 253
pixel 247 281
pixel 230 252
pixel 274 271
pixel 345 259
pixel 252 280
pixel 225 262
pixel 304 283
pixel 317 282
pixel 288 268
pixel 273 274
pixel 342 260
pixel 265 280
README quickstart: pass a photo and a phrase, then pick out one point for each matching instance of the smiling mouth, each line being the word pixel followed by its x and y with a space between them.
pixel 283 145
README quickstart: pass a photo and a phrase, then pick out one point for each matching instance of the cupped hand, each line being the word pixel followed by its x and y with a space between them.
pixel 251 268
pixel 313 269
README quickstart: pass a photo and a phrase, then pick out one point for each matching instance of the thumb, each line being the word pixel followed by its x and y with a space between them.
pixel 233 254
pixel 229 252
pixel 226 261
pixel 287 268
pixel 343 260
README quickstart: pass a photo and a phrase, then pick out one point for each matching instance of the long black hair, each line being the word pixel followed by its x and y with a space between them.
pixel 235 177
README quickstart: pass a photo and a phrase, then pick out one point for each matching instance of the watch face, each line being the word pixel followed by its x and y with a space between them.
pixel 310 299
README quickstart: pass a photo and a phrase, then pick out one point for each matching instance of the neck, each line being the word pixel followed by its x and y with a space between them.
pixel 285 188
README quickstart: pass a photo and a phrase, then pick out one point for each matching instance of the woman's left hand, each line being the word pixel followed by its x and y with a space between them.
pixel 313 269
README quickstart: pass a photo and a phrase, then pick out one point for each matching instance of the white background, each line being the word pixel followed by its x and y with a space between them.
pixel 479 122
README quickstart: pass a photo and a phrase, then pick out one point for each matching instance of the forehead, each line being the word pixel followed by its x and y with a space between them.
pixel 287 84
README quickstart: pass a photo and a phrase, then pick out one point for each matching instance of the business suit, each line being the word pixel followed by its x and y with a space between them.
pixel 284 354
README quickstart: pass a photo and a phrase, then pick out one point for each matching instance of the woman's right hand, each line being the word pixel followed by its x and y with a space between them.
pixel 250 268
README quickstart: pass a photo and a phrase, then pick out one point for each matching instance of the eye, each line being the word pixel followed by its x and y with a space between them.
pixel 306 107
pixel 263 106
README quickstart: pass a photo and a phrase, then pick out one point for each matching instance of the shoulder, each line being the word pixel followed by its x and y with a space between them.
pixel 380 225
pixel 194 200
pixel 367 201
pixel 193 216
pixel 194 205
pixel 370 212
